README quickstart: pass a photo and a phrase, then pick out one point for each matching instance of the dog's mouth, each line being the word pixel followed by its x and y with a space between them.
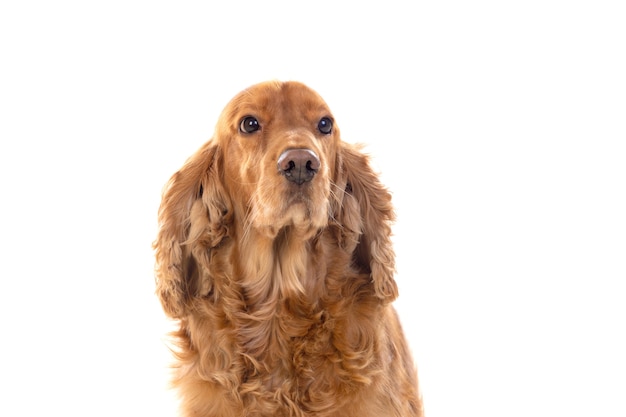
pixel 301 203
pixel 299 207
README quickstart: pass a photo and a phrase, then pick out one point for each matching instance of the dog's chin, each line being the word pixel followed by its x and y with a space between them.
pixel 302 219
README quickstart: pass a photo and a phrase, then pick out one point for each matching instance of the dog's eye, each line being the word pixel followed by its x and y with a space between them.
pixel 249 124
pixel 325 125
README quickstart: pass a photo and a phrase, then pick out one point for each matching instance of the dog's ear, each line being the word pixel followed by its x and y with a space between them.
pixel 365 213
pixel 193 218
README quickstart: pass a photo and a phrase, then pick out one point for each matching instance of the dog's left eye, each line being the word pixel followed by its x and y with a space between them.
pixel 325 125
pixel 249 124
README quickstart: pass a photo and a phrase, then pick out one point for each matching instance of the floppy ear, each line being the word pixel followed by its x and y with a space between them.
pixel 366 215
pixel 193 218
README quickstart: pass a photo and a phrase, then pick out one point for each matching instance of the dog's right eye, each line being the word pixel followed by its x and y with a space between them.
pixel 249 124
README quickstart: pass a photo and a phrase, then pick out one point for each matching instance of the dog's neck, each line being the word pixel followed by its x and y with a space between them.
pixel 286 266
pixel 281 280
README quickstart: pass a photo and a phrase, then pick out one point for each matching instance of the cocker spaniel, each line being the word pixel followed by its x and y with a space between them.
pixel 274 256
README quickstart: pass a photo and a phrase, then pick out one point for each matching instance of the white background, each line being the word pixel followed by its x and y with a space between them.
pixel 498 126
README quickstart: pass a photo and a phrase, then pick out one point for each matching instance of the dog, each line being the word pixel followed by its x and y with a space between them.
pixel 274 256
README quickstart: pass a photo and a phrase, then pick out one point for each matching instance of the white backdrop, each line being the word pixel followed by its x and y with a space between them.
pixel 498 126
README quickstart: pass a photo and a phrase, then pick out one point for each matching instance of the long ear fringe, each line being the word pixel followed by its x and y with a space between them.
pixel 374 252
pixel 192 209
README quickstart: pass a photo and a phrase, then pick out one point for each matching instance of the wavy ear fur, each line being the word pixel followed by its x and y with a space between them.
pixel 193 218
pixel 366 215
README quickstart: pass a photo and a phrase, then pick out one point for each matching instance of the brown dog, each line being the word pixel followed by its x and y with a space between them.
pixel 274 254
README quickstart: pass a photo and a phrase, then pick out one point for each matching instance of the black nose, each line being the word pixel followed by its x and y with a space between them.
pixel 298 165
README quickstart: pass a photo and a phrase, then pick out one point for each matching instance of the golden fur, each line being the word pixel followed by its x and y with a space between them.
pixel 282 288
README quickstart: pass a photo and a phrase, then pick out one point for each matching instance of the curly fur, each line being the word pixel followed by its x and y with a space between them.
pixel 282 292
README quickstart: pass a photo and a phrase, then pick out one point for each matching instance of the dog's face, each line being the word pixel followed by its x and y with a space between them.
pixel 280 144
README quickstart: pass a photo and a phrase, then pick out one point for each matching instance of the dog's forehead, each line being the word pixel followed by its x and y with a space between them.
pixel 279 98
